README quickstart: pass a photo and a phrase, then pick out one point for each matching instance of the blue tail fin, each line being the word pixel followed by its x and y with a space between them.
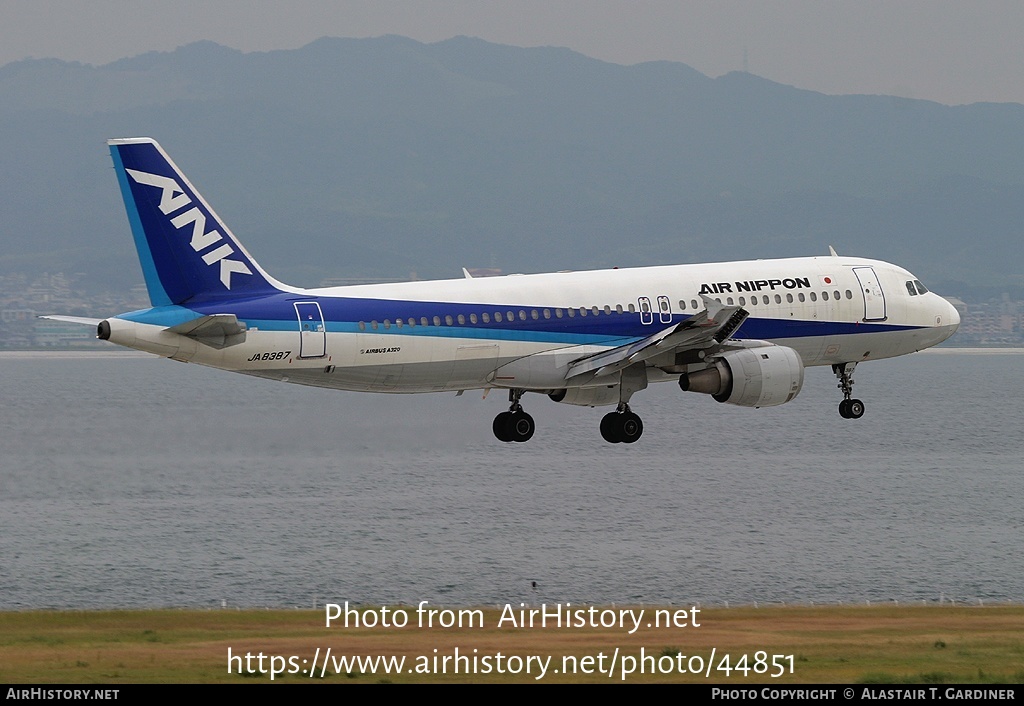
pixel 186 251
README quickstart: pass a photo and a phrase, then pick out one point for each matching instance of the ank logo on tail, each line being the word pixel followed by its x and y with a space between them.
pixel 173 198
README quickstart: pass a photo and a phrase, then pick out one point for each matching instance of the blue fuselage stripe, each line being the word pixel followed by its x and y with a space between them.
pixel 355 315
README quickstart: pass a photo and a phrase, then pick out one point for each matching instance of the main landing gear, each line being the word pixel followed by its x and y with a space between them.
pixel 621 426
pixel 515 424
pixel 848 408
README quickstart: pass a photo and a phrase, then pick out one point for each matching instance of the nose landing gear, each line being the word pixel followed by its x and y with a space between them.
pixel 848 408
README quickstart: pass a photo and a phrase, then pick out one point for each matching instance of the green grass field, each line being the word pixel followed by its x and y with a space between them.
pixel 871 644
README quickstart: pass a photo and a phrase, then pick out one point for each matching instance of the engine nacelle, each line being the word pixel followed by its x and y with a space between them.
pixel 587 396
pixel 750 377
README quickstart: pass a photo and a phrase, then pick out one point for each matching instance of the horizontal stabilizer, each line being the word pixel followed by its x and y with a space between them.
pixel 710 327
pixel 216 330
pixel 84 321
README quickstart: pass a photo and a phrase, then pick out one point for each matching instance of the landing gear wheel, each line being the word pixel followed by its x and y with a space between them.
pixel 515 424
pixel 854 409
pixel 844 409
pixel 520 426
pixel 630 427
pixel 501 426
pixel 610 428
pixel 621 427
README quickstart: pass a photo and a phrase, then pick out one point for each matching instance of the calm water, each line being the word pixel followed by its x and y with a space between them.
pixel 143 482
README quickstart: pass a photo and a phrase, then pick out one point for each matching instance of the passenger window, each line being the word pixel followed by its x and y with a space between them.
pixel 682 305
pixel 437 321
pixel 765 298
pixel 547 313
pixel 632 309
pixel 373 325
pixel 835 295
pixel 510 316
pixel 849 294
pixel 424 321
pixel 728 300
pixel 789 298
pixel 753 301
pixel 814 297
pixel 461 319
pixel 387 323
pixel 583 312
pixel 801 296
pixel 448 319
pixel 472 318
pixel 497 316
pixel 522 315
pixel 558 313
pixel 534 315
pixel 595 310
pixel 571 313
pixel 778 299
pixel 694 302
pixel 824 296
pixel 362 325
pixel 486 317
pixel 618 308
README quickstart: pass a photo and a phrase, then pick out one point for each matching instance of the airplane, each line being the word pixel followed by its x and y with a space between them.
pixel 740 332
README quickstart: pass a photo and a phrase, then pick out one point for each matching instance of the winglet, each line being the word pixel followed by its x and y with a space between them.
pixel 713 306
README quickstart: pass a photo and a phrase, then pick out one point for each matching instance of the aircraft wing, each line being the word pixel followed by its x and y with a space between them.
pixel 715 324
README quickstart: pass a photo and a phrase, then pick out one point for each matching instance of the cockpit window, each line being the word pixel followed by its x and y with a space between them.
pixel 920 287
pixel 910 288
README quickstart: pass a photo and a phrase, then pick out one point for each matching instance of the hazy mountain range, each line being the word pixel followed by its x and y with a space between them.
pixel 379 157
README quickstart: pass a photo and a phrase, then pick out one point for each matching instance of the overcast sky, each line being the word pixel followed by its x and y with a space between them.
pixel 944 50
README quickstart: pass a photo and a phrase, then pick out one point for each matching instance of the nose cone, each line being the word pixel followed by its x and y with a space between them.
pixel 947 320
pixel 954 318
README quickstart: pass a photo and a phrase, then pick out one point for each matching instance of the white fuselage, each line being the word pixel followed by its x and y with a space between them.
pixel 522 331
